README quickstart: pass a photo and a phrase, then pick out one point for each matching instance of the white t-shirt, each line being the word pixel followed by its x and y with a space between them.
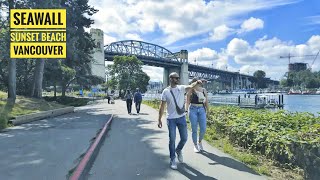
pixel 179 94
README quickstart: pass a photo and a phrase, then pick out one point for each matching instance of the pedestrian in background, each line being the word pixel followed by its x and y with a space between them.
pixel 128 96
pixel 137 100
pixel 197 101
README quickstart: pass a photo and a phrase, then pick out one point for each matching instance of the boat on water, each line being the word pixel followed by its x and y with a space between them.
pixel 224 92
pixel 245 91
pixel 303 92
pixel 292 91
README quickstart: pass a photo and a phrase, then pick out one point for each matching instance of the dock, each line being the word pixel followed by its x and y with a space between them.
pixel 256 101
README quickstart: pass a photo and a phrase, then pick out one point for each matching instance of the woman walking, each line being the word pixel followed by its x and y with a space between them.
pixel 197 101
pixel 129 98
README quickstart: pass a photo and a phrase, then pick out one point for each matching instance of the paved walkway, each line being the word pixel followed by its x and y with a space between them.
pixel 135 148
pixel 48 149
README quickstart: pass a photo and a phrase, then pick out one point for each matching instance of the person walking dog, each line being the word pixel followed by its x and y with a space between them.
pixel 197 101
pixel 174 97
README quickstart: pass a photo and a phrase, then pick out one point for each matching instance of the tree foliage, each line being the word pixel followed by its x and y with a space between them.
pixel 74 69
pixel 260 78
pixel 302 79
pixel 126 73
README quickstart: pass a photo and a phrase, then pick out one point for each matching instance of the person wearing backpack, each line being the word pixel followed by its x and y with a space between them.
pixel 174 97
pixel 137 100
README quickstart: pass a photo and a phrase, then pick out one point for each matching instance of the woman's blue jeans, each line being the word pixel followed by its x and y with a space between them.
pixel 181 123
pixel 197 115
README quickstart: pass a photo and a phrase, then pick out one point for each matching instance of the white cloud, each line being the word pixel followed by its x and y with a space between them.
pixel 251 24
pixel 176 19
pixel 264 55
pixel 313 20
pixel 108 39
pixel 237 46
pixel 314 42
pixel 155 73
pixel 221 32
pixel 203 54
pixel 131 36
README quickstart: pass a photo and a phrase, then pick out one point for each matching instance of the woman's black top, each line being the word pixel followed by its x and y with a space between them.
pixel 195 99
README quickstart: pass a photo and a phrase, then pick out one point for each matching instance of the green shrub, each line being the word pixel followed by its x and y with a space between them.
pixel 289 138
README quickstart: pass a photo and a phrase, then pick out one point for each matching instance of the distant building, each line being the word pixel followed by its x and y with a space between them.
pixel 297 67
pixel 98 65
pixel 155 86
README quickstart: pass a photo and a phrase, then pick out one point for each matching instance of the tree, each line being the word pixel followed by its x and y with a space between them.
pixel 126 72
pixel 260 78
pixel 80 44
pixel 303 79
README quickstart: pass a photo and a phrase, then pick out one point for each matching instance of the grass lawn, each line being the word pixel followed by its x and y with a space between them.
pixel 22 106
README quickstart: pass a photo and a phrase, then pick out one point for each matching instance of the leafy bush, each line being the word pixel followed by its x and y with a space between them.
pixel 289 138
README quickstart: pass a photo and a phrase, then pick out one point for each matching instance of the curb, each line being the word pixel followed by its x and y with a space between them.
pixel 41 115
pixel 83 168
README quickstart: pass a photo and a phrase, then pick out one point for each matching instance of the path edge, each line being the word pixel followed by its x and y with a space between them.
pixel 82 170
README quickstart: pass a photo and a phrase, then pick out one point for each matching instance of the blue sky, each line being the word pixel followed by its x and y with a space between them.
pixel 245 35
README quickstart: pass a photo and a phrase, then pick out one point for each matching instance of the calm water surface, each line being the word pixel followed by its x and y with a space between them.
pixel 302 103
pixel 296 103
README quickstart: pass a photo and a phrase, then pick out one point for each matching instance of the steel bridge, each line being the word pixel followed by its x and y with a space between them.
pixel 155 55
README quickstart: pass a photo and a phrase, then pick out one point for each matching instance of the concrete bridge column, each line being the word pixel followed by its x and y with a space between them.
pixel 165 77
pixel 167 72
pixel 232 85
pixel 238 83
pixel 184 73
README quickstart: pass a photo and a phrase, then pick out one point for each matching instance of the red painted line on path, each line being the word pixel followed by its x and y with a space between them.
pixel 80 168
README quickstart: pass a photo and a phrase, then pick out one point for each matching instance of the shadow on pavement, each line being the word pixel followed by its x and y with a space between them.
pixel 132 150
pixel 192 173
pixel 48 148
pixel 229 162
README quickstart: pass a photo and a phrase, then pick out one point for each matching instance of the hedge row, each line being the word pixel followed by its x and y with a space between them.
pixel 292 138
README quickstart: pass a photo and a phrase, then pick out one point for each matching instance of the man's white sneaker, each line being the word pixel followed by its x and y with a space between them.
pixel 196 148
pixel 173 165
pixel 200 147
pixel 180 157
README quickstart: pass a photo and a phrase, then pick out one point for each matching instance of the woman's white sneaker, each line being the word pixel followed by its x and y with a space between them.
pixel 200 147
pixel 173 164
pixel 196 148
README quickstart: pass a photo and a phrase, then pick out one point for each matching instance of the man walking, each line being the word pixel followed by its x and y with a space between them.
pixel 174 97
pixel 137 100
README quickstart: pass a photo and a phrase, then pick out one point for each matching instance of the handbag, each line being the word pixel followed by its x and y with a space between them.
pixel 179 110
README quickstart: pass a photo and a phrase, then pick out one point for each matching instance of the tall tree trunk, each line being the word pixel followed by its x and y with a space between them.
pixel 38 77
pixel 12 84
pixel 12 80
pixel 55 89
pixel 63 88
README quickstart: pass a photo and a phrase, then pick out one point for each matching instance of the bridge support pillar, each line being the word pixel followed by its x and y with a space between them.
pixel 184 73
pixel 167 72
pixel 232 85
pixel 165 77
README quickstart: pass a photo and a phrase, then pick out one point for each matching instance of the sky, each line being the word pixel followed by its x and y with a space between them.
pixel 233 35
